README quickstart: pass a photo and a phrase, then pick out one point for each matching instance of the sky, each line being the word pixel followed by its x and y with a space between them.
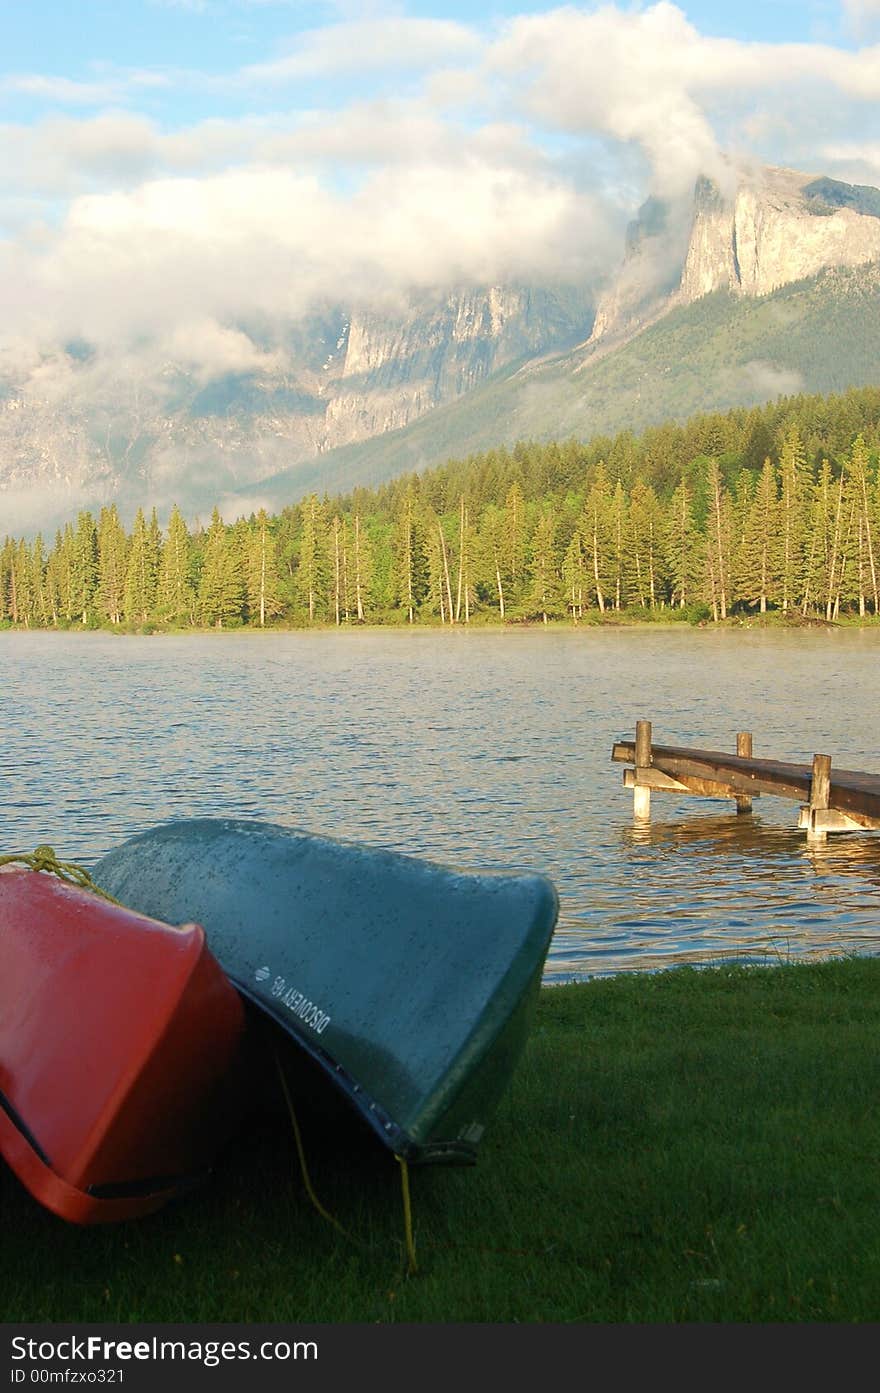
pixel 176 172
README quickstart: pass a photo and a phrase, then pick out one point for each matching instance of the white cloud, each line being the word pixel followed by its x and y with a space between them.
pixel 359 46
pixel 767 380
pixel 209 350
pixel 854 161
pixel 117 151
pixel 186 252
pixel 232 507
pixel 196 6
pixel 862 15
pixel 61 90
pixel 649 76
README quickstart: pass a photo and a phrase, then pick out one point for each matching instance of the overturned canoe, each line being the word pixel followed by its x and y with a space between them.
pixel 120 1039
pixel 411 984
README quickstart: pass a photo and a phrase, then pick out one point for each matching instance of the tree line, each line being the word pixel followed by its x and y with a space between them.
pixel 763 517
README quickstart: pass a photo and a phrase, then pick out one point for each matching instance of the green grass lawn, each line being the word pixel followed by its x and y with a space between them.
pixel 687 1146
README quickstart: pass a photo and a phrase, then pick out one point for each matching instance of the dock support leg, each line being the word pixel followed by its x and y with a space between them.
pixel 820 796
pixel 642 796
pixel 744 747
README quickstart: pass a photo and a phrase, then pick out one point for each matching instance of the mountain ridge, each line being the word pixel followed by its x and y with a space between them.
pixel 654 377
pixel 371 393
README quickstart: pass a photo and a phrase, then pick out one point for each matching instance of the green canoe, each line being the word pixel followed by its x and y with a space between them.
pixel 411 984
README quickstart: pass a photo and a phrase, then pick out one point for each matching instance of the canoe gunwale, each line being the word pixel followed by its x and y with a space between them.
pixel 389 1132
pixel 29 1163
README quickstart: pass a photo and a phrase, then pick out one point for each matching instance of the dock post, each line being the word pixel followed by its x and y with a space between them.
pixel 744 747
pixel 820 796
pixel 642 796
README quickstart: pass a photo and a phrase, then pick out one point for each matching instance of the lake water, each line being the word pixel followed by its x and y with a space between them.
pixel 481 749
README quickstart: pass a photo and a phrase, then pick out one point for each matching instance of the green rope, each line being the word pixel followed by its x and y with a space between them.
pixel 43 858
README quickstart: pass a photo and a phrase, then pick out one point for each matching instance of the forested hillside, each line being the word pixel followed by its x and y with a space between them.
pixel 820 335
pixel 768 510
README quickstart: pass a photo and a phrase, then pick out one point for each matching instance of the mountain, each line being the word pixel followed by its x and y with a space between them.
pixel 77 430
pixel 819 335
pixel 768 288
pixel 764 283
pixel 770 227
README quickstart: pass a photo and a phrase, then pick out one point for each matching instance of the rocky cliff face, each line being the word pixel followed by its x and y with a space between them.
pixel 397 366
pixel 774 227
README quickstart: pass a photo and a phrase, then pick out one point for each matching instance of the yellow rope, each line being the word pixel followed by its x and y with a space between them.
pixel 302 1156
pixel 407 1215
pixel 404 1172
pixel 44 859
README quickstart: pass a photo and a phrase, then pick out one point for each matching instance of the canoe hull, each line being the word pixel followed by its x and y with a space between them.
pixel 410 984
pixel 120 1051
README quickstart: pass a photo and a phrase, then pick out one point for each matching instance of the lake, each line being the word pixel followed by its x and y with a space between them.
pixel 485 749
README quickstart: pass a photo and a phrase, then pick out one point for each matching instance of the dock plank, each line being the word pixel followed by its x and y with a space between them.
pixel 852 791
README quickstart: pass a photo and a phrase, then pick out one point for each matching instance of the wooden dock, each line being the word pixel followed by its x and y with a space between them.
pixel 844 800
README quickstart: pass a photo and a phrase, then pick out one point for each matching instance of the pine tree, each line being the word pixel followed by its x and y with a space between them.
pixel 841 515
pixel 221 585
pixel 758 559
pixel 513 541
pixel 411 573
pixel 794 509
pixel 574 576
pixel 858 468
pixel 137 591
pixel 464 594
pixel 362 566
pixel 683 546
pixel 112 547
pixel 175 599
pixel 311 575
pixel 619 521
pixel 65 555
pixel 490 552
pixel 84 567
pixel 41 602
pixel 22 593
pixel 719 539
pixel 263 581
pixel 644 545
pixel 818 540
pixel 54 604
pixel 48 606
pixel 544 598
pixel 435 597
pixel 598 531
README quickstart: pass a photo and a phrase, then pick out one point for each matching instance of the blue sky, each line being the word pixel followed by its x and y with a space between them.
pixel 174 171
pixel 218 35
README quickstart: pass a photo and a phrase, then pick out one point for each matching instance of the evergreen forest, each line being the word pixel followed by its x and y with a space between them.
pixel 766 511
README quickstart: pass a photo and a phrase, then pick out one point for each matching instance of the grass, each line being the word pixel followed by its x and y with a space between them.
pixel 687 1146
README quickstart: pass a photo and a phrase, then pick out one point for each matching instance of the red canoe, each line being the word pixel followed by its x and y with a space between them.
pixel 120 1044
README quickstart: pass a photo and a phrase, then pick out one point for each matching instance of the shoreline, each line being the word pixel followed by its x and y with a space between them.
pixel 736 624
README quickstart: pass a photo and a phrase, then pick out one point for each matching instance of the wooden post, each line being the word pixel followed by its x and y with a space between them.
pixel 820 796
pixel 744 747
pixel 642 796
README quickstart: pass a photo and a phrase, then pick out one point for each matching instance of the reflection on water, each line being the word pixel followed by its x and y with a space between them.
pixel 479 749
pixel 756 890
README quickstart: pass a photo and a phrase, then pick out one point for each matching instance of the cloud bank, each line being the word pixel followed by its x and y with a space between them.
pixel 452 154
